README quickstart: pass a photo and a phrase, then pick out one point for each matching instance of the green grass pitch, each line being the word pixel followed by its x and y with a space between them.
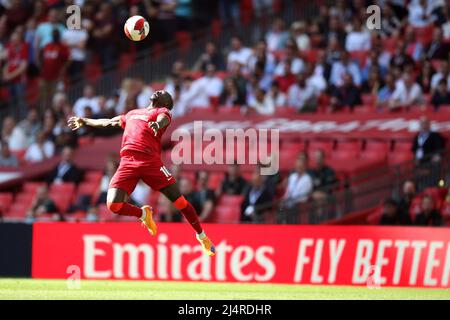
pixel 146 290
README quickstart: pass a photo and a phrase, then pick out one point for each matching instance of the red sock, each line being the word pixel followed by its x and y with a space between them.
pixel 125 209
pixel 189 213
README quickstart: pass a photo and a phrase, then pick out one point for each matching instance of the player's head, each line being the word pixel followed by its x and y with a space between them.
pixel 161 99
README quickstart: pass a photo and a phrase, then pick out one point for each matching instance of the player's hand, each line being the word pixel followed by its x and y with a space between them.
pixel 75 123
pixel 154 126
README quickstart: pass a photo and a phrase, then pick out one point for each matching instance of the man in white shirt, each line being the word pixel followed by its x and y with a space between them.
pixel 359 38
pixel 41 150
pixel 343 66
pixel 290 56
pixel 238 53
pixel 299 184
pixel 87 100
pixel 418 15
pixel 202 89
pixel 13 135
pixel 302 96
pixel 444 73
pixel 76 40
pixel 407 93
pixel 262 103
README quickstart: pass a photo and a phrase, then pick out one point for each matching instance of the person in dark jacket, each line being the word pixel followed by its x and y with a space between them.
pixel 234 183
pixel 347 95
pixel 427 144
pixel 441 96
pixel 66 170
pixel 256 194
pixel 429 216
pixel 392 215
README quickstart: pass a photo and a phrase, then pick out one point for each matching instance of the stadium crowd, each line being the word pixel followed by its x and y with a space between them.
pixel 329 63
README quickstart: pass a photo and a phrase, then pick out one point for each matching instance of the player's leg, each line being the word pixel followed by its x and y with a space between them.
pixel 117 202
pixel 173 193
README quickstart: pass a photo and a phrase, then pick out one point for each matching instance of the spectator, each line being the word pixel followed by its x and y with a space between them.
pixel 299 184
pixel 342 67
pixel 109 171
pixel 262 103
pixel 429 216
pixel 443 74
pixel 144 92
pixel 347 95
pixel 300 35
pixel 262 60
pixel 203 89
pixel 88 99
pixel 15 70
pixel 418 16
pixel 425 77
pixel 31 125
pixel 66 170
pixel 438 49
pixel 187 190
pixel 290 60
pixel 359 38
pixel 386 92
pixel 441 96
pixel 238 54
pixel 278 98
pixel 407 93
pixel 13 135
pixel 45 29
pixel 54 61
pixel 413 47
pixel 401 59
pixel 323 175
pixel 103 35
pixel 76 40
pixel 40 150
pixel 210 56
pixel 229 12
pixel 277 36
pixel 140 194
pixel 7 159
pixel 301 95
pixel 234 183
pixel 205 196
pixel 255 195
pixel 427 144
pixel 392 215
pixel 404 204
pixel 42 204
pixel 287 79
pixel 231 96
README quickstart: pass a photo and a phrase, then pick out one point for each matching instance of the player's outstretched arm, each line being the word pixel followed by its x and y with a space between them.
pixel 75 123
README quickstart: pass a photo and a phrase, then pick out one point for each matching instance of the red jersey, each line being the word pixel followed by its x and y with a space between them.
pixel 138 136
pixel 54 56
pixel 16 55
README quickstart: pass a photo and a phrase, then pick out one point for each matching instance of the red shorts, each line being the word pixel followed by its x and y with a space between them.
pixel 135 166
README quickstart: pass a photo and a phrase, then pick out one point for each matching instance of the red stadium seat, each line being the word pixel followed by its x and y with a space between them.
pixel 93 176
pixel 325 145
pixel 396 158
pixel 295 146
pixel 6 199
pixel 66 188
pixel 17 211
pixel 374 218
pixel 368 99
pixel 215 179
pixel 378 146
pixel 344 155
pixel 351 145
pixel 25 198
pixel 32 187
pixel 227 214
pixel 370 155
pixel 403 146
pixel 231 200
